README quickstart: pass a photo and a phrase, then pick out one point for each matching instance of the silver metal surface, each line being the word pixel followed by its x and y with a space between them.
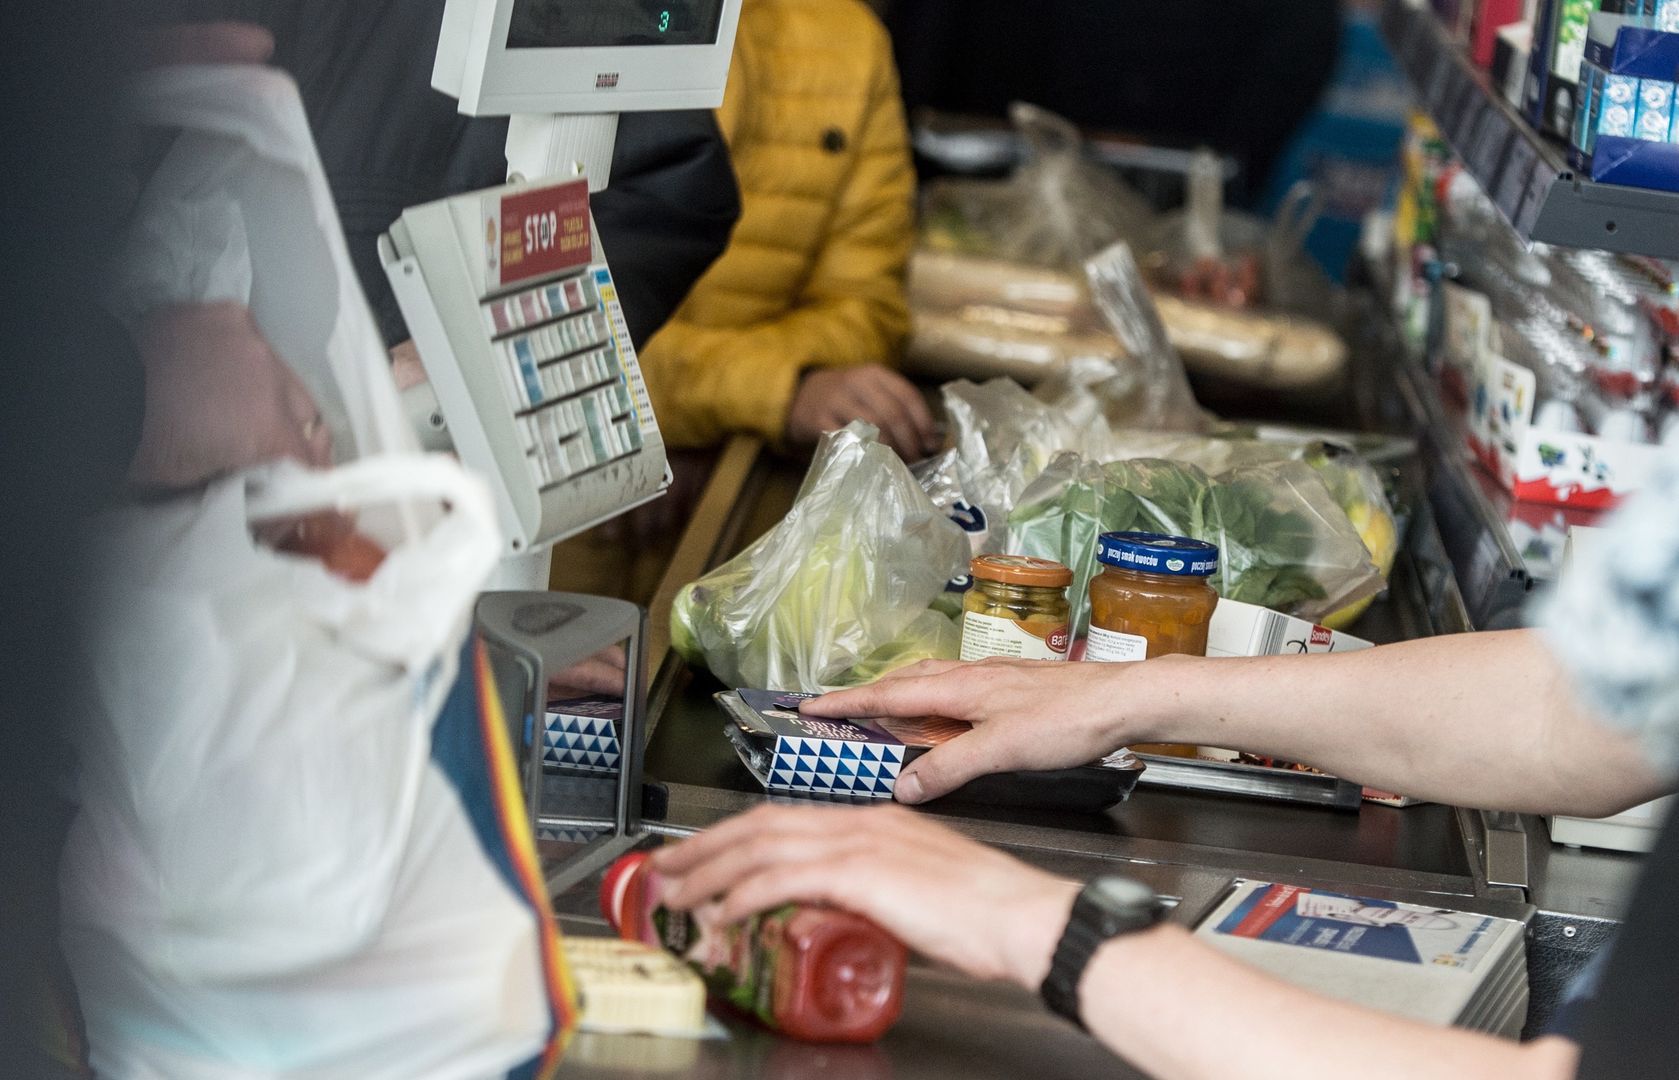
pixel 1505 847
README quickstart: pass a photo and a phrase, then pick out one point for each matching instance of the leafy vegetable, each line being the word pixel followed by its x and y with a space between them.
pixel 1283 542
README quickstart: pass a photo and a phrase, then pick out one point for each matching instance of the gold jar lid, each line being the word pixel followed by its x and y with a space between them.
pixel 1021 570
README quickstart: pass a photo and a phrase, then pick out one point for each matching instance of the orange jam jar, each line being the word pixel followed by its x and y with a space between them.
pixel 1153 597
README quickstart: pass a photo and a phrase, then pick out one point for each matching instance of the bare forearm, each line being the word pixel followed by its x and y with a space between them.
pixel 1180 1010
pixel 1481 719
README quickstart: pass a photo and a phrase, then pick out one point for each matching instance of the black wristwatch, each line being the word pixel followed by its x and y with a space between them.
pixel 1105 909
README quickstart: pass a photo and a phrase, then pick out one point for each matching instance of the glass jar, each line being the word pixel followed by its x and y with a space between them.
pixel 1152 598
pixel 1017 608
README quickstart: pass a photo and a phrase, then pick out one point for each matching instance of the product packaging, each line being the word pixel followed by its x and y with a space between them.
pixel 582 733
pixel 1490 17
pixel 811 973
pixel 860 759
pixel 1544 464
pixel 1240 629
pixel 1559 43
pixel 1623 130
pixel 1434 965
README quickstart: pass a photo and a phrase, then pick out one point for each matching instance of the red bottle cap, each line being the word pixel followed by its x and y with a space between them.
pixel 623 894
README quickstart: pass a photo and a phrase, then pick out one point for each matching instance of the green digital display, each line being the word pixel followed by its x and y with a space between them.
pixel 600 24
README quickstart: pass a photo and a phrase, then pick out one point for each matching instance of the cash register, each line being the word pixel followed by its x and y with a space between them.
pixel 532 378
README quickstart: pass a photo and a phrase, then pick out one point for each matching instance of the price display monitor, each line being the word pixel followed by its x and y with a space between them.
pixel 507 57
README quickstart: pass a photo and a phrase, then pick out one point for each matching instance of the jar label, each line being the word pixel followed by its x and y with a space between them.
pixel 1108 646
pixel 988 635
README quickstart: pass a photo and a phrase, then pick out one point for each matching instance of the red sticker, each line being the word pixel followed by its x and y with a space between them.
pixel 543 232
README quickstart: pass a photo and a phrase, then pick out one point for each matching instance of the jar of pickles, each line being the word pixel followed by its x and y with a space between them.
pixel 1017 608
pixel 1153 597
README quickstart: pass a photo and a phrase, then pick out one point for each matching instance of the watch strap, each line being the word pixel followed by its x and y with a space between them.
pixel 1091 925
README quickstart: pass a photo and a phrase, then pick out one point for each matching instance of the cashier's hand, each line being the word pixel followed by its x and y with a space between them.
pixel 219 399
pixel 1031 715
pixel 830 398
pixel 602 673
pixel 945 896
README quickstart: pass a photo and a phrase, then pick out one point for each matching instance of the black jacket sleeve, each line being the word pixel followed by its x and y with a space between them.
pixel 389 141
pixel 668 212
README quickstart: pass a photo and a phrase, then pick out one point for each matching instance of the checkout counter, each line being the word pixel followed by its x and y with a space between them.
pixel 1189 846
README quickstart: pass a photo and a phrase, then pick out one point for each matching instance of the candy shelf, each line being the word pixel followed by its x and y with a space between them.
pixel 1526 173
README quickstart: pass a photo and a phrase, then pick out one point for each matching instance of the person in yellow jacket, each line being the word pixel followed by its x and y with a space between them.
pixel 795 329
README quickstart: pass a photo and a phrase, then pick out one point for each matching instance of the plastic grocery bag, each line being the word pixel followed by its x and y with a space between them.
pixel 296 851
pixel 1058 209
pixel 1283 541
pixel 840 591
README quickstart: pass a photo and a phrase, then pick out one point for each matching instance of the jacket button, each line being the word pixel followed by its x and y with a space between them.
pixel 833 140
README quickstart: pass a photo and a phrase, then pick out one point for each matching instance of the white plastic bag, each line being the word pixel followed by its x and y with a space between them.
pixel 298 850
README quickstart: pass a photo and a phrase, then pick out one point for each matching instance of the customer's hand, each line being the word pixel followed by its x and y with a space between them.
pixel 219 399
pixel 208 43
pixel 1027 715
pixel 947 897
pixel 830 398
pixel 406 368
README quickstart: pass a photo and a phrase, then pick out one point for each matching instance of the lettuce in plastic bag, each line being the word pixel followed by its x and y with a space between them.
pixel 840 591
pixel 1283 542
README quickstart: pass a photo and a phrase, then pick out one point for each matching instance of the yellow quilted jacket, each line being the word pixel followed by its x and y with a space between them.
pixel 813 275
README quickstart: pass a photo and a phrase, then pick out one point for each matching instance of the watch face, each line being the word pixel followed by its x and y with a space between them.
pixel 1122 894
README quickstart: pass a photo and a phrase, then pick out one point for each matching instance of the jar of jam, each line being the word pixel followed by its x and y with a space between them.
pixel 1153 597
pixel 1017 608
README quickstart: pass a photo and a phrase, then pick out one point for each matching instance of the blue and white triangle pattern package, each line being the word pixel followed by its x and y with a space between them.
pixel 844 759
pixel 582 734
pixel 836 765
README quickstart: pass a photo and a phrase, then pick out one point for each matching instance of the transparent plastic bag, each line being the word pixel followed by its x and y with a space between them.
pixel 1283 541
pixel 1209 253
pixel 1057 209
pixel 1158 395
pixel 841 590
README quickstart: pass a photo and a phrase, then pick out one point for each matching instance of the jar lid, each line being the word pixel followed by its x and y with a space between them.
pixel 1021 570
pixel 1152 553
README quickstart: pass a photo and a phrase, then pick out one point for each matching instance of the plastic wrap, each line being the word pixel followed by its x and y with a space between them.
pixel 1058 209
pixel 1284 542
pixel 841 590
pixel 1206 252
pixel 1159 396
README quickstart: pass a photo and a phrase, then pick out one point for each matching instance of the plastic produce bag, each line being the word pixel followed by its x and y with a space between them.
pixel 1159 396
pixel 1283 541
pixel 290 856
pixel 841 590
pixel 1057 209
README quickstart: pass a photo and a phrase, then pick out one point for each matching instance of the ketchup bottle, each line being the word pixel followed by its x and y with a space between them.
pixel 809 972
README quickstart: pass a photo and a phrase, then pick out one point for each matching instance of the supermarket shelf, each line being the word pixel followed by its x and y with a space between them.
pixel 1525 173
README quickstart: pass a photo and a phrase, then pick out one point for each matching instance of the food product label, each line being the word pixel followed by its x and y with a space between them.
pixel 1108 646
pixel 988 635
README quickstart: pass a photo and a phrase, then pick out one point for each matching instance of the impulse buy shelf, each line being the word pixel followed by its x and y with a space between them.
pixel 1525 173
